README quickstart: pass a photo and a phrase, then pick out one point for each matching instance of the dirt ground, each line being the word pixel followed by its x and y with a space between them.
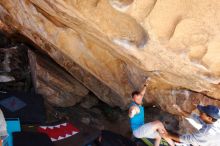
pixel 102 116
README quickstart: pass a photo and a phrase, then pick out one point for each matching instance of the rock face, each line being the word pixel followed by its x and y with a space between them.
pixel 56 85
pixel 14 68
pixel 111 45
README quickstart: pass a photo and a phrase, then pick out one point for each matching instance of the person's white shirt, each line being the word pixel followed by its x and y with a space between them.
pixel 207 135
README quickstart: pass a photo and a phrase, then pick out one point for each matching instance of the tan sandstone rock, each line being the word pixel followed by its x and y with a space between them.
pixel 115 43
pixel 56 85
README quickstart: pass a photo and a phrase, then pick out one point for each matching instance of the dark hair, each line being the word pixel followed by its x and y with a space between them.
pixel 135 93
pixel 213 119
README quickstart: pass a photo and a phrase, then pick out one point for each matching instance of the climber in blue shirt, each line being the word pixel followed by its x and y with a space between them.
pixel 138 127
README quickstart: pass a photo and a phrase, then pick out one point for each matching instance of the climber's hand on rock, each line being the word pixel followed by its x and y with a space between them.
pixel 147 81
pixel 164 134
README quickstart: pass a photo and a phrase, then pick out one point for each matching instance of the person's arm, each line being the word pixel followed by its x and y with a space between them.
pixel 183 113
pixel 143 90
pixel 174 137
pixel 198 138
pixel 133 110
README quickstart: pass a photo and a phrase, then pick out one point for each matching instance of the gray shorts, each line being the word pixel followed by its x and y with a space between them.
pixel 146 131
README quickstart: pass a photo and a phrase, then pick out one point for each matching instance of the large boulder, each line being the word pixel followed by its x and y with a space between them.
pixel 54 83
pixel 14 67
pixel 111 45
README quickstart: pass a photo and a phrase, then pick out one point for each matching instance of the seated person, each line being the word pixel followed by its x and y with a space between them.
pixel 208 134
pixel 138 127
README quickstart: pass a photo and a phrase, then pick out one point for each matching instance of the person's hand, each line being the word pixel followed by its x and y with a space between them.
pixel 164 135
pixel 133 111
pixel 147 81
pixel 162 131
pixel 137 109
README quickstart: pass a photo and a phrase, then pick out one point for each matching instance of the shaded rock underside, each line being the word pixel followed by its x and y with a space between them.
pixel 108 47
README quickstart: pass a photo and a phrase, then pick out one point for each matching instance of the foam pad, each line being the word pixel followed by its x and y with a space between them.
pixel 69 133
pixel 12 103
pixel 28 107
pixel 59 131
pixel 31 139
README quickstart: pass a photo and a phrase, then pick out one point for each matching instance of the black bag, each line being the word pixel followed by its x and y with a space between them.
pixel 31 139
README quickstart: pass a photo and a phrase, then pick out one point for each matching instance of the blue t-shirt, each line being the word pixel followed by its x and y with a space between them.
pixel 138 119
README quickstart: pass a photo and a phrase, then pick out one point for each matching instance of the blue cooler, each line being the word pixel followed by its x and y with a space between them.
pixel 13 125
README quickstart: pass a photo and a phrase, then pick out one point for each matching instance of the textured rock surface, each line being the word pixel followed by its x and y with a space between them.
pixel 56 85
pixel 115 43
pixel 14 67
pixel 89 101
